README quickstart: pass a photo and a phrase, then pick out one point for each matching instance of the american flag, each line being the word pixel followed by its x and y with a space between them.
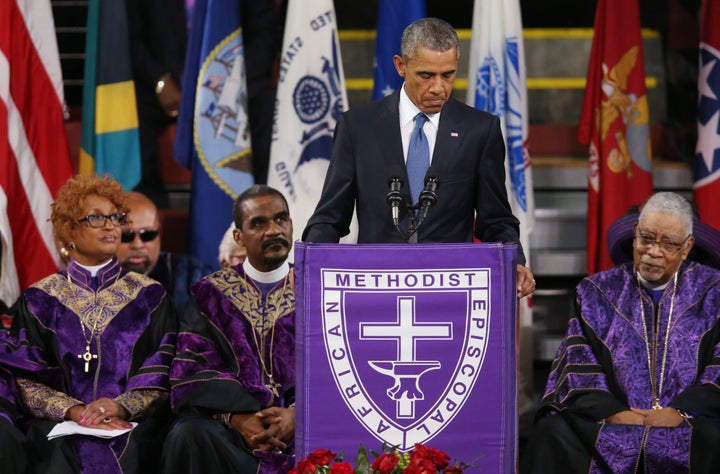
pixel 34 156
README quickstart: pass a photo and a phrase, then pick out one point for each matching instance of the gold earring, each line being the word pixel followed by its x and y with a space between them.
pixel 64 253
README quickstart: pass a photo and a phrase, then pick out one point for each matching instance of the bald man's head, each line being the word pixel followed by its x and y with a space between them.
pixel 140 246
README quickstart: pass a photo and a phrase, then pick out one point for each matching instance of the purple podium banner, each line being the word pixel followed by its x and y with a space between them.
pixel 403 344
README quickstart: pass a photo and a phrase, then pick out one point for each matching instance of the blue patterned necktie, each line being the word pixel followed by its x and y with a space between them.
pixel 418 158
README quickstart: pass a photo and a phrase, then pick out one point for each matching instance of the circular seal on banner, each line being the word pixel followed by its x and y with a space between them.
pixel 311 99
pixel 490 88
pixel 222 129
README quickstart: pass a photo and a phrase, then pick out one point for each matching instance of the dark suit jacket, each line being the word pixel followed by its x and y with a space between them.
pixel 469 153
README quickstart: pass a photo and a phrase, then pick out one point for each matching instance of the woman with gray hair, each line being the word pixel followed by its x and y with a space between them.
pixel 634 384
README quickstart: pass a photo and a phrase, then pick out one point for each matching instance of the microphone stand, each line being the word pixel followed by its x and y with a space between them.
pixel 416 213
pixel 426 200
pixel 412 226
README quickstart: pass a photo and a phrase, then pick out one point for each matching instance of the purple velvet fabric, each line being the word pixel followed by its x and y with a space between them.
pixel 217 367
pixel 134 343
pixel 132 301
pixel 603 357
pixel 227 304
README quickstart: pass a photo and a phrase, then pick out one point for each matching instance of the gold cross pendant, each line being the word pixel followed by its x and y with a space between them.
pixel 273 387
pixel 87 357
pixel 656 404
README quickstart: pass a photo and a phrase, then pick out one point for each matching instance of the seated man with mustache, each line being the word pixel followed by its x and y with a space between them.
pixel 233 377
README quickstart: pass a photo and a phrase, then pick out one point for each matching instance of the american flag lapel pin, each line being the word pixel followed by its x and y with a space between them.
pixel 454 134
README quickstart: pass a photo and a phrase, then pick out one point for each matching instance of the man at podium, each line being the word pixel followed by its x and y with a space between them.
pixel 437 163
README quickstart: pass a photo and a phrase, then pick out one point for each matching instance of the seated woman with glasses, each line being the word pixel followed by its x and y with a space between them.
pixel 92 344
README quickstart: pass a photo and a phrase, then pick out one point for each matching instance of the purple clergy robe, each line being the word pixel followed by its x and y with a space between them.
pixel 130 328
pixel 601 368
pixel 230 339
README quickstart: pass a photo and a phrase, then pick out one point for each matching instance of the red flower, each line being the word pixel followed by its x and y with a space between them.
pixel 422 453
pixel 342 468
pixel 304 467
pixel 414 470
pixel 321 457
pixel 420 460
pixel 385 463
pixel 453 470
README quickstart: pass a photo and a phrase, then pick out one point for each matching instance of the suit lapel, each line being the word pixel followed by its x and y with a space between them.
pixel 388 127
pixel 388 134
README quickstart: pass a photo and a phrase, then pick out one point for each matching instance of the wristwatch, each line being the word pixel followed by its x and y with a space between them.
pixel 160 84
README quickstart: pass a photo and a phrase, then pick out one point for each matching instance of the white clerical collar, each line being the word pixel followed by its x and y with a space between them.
pixel 408 110
pixel 266 277
pixel 94 269
pixel 652 286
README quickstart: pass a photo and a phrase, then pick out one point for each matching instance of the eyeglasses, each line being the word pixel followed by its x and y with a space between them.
pixel 128 236
pixel 668 247
pixel 99 220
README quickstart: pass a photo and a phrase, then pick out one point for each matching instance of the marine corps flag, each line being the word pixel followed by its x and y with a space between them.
pixel 706 192
pixel 213 134
pixel 614 123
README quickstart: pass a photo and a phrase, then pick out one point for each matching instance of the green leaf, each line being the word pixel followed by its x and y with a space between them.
pixel 362 464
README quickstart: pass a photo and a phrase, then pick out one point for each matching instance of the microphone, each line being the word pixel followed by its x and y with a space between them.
pixel 428 196
pixel 395 198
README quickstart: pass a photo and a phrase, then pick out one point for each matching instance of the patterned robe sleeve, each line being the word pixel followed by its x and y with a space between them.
pixel 139 402
pixel 44 402
pixel 203 375
pixel 578 380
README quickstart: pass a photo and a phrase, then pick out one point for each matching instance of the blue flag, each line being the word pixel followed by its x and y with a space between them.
pixel 213 134
pixel 110 140
pixel 393 17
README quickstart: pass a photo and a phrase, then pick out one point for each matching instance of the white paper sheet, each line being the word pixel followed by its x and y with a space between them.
pixel 70 428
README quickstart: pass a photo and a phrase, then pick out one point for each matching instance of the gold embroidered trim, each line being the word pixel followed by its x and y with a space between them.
pixel 137 402
pixel 44 402
pixel 247 298
pixel 95 309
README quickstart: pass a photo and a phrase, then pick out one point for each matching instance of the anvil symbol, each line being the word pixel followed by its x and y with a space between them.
pixel 406 370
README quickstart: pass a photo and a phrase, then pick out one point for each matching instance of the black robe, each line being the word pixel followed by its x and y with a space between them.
pixel 218 370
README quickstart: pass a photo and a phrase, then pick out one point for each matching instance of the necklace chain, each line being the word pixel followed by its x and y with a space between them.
pixel 87 356
pixel 656 388
pixel 84 322
pixel 260 344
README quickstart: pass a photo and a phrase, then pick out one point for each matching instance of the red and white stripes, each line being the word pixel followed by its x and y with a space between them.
pixel 34 155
